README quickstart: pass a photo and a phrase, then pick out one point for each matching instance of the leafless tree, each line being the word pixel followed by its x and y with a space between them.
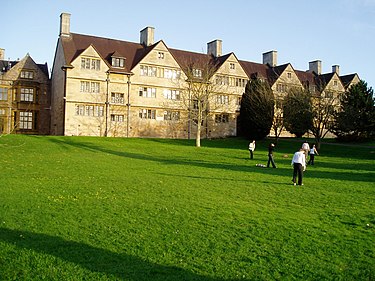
pixel 278 121
pixel 198 96
pixel 323 109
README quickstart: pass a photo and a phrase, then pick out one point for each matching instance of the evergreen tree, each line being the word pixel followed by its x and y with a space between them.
pixel 356 118
pixel 257 109
pixel 297 110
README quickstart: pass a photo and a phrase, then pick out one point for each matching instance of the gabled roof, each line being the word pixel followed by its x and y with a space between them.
pixel 6 65
pixel 348 79
pixel 307 78
pixel 133 52
pixel 186 58
pixel 254 69
pixel 275 72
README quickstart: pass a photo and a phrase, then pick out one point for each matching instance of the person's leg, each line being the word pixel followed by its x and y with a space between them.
pixel 273 162
pixel 295 169
pixel 269 161
pixel 251 154
pixel 300 174
pixel 312 156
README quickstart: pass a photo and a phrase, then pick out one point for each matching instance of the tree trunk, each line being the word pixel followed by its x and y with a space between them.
pixel 198 136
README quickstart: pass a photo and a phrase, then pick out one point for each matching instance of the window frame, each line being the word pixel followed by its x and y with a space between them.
pixel 25 120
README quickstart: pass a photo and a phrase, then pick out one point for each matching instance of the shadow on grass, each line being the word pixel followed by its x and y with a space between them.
pixel 121 266
pixel 213 165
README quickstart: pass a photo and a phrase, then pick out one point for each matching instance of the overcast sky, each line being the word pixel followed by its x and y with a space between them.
pixel 337 32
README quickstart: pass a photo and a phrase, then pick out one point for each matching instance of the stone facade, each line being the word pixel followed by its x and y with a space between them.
pixel 107 87
pixel 24 97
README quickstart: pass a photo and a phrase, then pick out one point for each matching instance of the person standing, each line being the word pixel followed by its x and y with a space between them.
pixel 306 148
pixel 251 149
pixel 271 148
pixel 299 166
pixel 313 151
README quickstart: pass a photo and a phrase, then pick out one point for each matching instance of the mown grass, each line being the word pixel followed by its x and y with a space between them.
pixel 81 208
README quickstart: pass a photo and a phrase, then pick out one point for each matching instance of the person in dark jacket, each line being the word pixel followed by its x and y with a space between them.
pixel 271 148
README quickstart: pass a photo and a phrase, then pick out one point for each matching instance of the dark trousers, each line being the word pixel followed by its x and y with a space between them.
pixel 311 161
pixel 270 160
pixel 251 154
pixel 297 170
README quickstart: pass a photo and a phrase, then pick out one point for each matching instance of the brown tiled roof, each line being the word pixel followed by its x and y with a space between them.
pixel 253 69
pixel 323 79
pixel 275 72
pixel 5 64
pixel 347 79
pixel 132 52
pixel 185 58
pixel 307 78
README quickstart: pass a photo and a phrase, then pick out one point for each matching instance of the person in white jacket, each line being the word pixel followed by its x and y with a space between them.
pixel 251 149
pixel 313 151
pixel 299 166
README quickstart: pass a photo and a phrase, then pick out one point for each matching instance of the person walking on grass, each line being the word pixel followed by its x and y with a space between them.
pixel 271 148
pixel 313 151
pixel 299 166
pixel 251 149
pixel 306 148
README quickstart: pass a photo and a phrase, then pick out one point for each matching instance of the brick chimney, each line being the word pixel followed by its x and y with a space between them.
pixel 2 54
pixel 270 58
pixel 215 48
pixel 64 25
pixel 147 36
pixel 336 69
pixel 315 66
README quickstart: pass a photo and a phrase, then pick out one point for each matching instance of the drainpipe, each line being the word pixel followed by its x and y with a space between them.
pixel 106 107
pixel 64 69
pixel 128 109
pixel 189 115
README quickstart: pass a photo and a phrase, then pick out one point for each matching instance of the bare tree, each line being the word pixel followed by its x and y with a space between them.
pixel 278 120
pixel 323 110
pixel 198 92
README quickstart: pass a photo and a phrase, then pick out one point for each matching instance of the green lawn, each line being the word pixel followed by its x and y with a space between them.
pixel 84 208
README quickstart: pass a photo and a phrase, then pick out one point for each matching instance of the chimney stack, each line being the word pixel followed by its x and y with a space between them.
pixel 64 25
pixel 147 36
pixel 270 58
pixel 215 48
pixel 315 66
pixel 2 54
pixel 336 69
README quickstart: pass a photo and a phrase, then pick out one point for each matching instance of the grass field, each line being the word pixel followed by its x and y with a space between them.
pixel 81 208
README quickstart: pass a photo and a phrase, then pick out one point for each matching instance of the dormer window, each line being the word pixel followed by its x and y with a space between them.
pixel 26 74
pixel 118 62
pixel 197 73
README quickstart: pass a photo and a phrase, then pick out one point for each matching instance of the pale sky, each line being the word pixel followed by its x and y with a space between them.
pixel 337 32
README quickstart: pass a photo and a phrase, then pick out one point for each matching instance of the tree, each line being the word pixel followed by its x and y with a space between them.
pixel 257 109
pixel 198 92
pixel 297 111
pixel 323 109
pixel 355 118
pixel 278 120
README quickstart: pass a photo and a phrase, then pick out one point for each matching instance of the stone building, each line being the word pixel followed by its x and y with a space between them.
pixel 108 87
pixel 24 96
